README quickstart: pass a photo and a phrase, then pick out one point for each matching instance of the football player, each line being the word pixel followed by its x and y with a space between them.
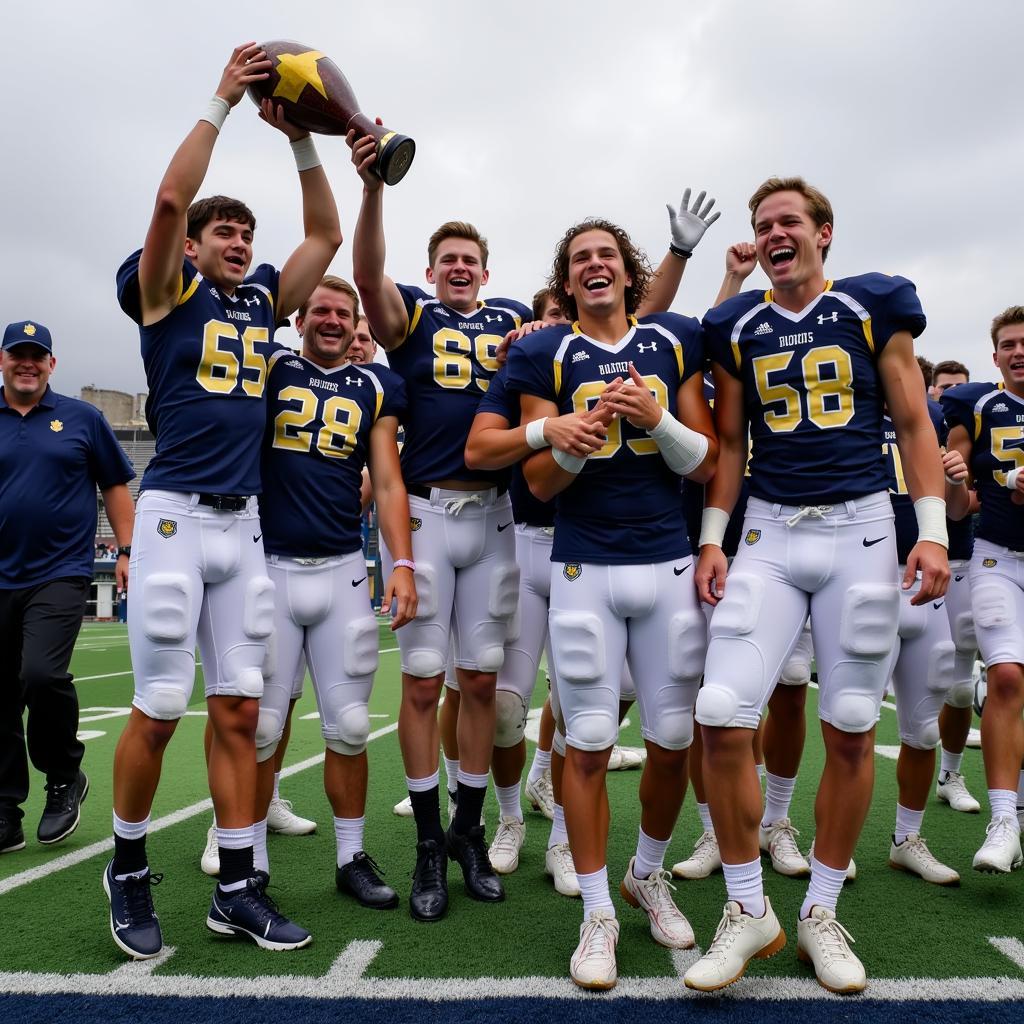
pixel 621 574
pixel 326 419
pixel 197 565
pixel 807 364
pixel 986 428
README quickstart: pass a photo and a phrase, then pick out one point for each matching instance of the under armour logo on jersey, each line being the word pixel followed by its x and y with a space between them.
pixel 652 347
pixel 763 328
pixel 1000 407
pixel 254 301
pixel 578 357
pixel 295 363
pixel 490 319
pixel 822 318
pixel 358 381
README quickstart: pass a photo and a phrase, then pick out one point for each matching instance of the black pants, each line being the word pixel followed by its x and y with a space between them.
pixel 38 629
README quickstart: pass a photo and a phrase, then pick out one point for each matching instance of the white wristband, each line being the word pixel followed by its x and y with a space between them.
pixel 713 524
pixel 1011 479
pixel 682 449
pixel 216 112
pixel 535 434
pixel 306 156
pixel 570 463
pixel 931 520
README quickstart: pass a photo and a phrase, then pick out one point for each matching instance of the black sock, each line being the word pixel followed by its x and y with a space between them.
pixel 129 855
pixel 235 865
pixel 426 808
pixel 469 808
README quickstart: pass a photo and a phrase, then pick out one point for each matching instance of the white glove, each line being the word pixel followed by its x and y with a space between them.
pixel 688 225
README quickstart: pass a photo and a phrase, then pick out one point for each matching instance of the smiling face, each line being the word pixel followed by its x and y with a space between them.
pixel 327 327
pixel 1009 356
pixel 363 347
pixel 790 246
pixel 26 371
pixel 597 277
pixel 222 252
pixel 458 273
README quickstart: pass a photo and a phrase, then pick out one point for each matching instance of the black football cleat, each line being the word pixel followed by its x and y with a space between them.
pixel 470 850
pixel 360 878
pixel 428 899
pixel 133 921
pixel 11 835
pixel 63 809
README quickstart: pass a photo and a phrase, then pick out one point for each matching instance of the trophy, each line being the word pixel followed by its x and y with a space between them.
pixel 316 96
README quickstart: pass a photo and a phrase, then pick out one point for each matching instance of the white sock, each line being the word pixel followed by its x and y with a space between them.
pixel 650 855
pixel 472 779
pixel 743 884
pixel 349 835
pixel 778 795
pixel 131 829
pixel 509 803
pixel 705 817
pixel 260 859
pixel 451 771
pixel 1003 803
pixel 950 762
pixel 826 885
pixel 558 832
pixel 277 786
pixel 541 763
pixel 908 821
pixel 422 785
pixel 594 889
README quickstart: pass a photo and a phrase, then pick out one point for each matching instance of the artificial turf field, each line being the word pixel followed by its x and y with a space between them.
pixel 930 953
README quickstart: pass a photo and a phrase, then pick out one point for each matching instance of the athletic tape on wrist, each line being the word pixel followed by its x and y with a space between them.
pixel 1011 479
pixel 931 520
pixel 682 449
pixel 535 434
pixel 570 463
pixel 306 156
pixel 216 112
pixel 713 524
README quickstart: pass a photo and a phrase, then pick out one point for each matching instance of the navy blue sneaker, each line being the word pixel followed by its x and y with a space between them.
pixel 133 921
pixel 250 911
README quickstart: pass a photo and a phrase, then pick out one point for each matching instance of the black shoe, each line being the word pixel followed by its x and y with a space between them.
pixel 133 921
pixel 428 900
pixel 63 809
pixel 360 878
pixel 11 836
pixel 470 851
pixel 251 912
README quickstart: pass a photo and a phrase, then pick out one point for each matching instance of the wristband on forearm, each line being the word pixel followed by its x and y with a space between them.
pixel 535 434
pixel 713 524
pixel 931 520
pixel 216 112
pixel 1011 479
pixel 570 463
pixel 683 254
pixel 306 156
pixel 682 449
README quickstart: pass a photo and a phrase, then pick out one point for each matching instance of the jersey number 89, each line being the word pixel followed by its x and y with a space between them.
pixel 587 394
pixel 453 358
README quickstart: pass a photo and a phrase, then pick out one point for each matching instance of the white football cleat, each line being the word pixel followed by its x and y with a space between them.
pixel 559 865
pixel 624 759
pixel 951 788
pixel 1000 853
pixel 821 941
pixel 914 856
pixel 210 860
pixel 851 871
pixel 778 840
pixel 541 795
pixel 283 821
pixel 669 926
pixel 508 841
pixel 593 963
pixel 705 861
pixel 738 939
pixel 404 808
pixel 973 739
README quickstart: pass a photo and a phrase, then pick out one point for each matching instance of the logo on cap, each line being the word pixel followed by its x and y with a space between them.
pixel 29 329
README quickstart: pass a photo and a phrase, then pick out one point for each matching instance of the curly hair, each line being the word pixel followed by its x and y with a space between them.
pixel 636 263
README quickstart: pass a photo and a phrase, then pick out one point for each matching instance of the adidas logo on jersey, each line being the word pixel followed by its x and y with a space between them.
pixel 1000 407
pixel 833 317
pixel 578 357
pixel 441 311
pixel 763 328
pixel 294 363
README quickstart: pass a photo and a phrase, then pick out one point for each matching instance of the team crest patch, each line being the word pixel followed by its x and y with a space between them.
pixel 56 426
pixel 29 329
pixel 572 571
pixel 752 537
pixel 167 527
pixel 989 562
pixel 414 523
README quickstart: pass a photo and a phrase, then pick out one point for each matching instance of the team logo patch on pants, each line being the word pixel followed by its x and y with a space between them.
pixel 167 527
pixel 414 523
pixel 988 562
pixel 572 571
pixel 752 537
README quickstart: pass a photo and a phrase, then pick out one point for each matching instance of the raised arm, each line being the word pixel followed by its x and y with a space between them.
pixel 380 296
pixel 163 251
pixel 740 260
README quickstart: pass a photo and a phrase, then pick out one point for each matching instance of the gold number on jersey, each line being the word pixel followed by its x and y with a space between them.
pixel 453 358
pixel 1000 437
pixel 219 368
pixel 585 397
pixel 891 448
pixel 336 439
pixel 817 387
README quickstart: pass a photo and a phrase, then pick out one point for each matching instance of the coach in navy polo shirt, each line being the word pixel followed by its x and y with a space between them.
pixel 54 452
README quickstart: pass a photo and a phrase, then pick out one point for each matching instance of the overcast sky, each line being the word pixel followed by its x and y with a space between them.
pixel 529 116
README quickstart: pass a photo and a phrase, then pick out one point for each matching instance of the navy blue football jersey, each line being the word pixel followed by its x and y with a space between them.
pixel 206 366
pixel 994 420
pixel 811 388
pixel 316 444
pixel 526 508
pixel 447 361
pixel 624 507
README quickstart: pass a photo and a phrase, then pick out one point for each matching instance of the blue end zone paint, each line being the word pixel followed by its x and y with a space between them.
pixel 591 1010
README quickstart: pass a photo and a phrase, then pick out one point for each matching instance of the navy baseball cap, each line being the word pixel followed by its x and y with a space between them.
pixel 27 332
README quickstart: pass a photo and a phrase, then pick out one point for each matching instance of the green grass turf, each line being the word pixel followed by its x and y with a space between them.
pixel 906 928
